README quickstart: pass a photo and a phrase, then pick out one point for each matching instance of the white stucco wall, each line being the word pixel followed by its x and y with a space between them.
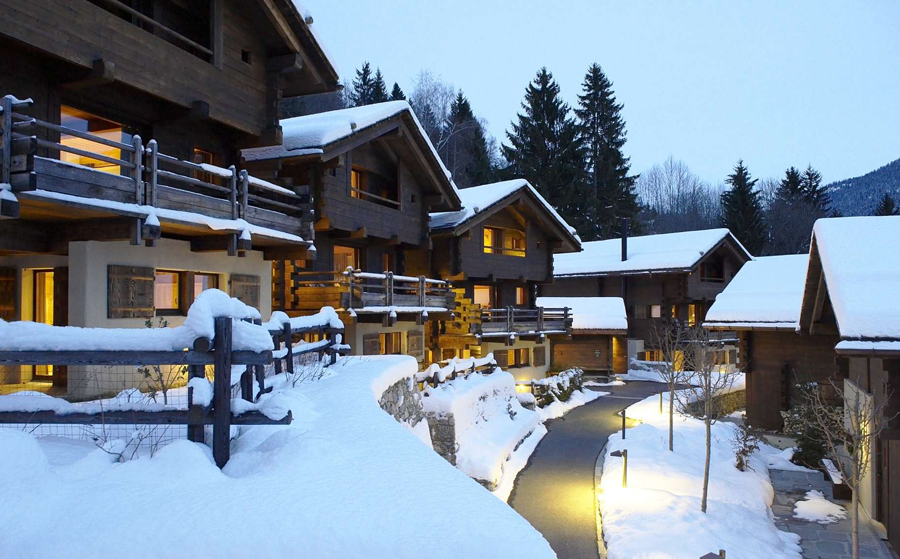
pixel 353 334
pixel 522 373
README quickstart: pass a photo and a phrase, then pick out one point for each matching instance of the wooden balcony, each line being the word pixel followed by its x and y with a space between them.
pixel 513 321
pixel 363 293
pixel 163 193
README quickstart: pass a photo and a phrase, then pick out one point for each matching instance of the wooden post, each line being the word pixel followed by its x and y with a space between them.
pixel 195 432
pixel 388 288
pixel 152 171
pixel 233 195
pixel 540 319
pixel 222 391
pixel 509 319
pixel 245 192
pixel 137 174
pixel 260 370
pixel 422 291
pixel 5 138
pixel 288 344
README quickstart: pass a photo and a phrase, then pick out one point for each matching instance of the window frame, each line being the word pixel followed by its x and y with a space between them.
pixel 177 310
pixel 362 189
pixel 498 242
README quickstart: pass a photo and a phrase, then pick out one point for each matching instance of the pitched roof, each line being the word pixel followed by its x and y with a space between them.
pixel 668 252
pixel 482 200
pixel 765 294
pixel 318 134
pixel 860 259
pixel 326 60
pixel 591 313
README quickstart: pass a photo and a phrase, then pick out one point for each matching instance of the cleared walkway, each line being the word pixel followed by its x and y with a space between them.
pixel 555 491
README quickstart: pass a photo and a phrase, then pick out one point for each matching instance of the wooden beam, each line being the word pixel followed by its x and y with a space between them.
pixel 9 209
pixel 213 243
pixel 285 64
pixel 394 241
pixel 323 224
pixel 358 138
pixel 286 253
pixel 359 234
pixel 281 25
pixel 102 72
pixel 24 236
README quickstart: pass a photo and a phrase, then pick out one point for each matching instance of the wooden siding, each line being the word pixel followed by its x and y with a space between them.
pixel 776 361
pixel 79 32
pixel 534 266
pixel 593 353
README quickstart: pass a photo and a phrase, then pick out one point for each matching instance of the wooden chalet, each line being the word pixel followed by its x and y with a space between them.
pixel 496 250
pixel 668 276
pixel 762 304
pixel 121 192
pixel 374 176
pixel 597 344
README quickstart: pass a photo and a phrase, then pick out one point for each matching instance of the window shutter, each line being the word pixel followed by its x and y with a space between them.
pixel 415 343
pixel 129 292
pixel 8 293
pixel 540 356
pixel 501 357
pixel 371 344
pixel 246 289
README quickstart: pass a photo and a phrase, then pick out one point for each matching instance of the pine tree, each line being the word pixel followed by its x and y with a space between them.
pixel 379 88
pixel 546 149
pixel 815 193
pixel 466 150
pixel 602 129
pixel 742 210
pixel 791 186
pixel 887 206
pixel 363 87
pixel 397 93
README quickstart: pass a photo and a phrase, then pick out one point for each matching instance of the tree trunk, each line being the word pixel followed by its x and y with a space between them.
pixel 672 417
pixel 854 523
pixel 706 465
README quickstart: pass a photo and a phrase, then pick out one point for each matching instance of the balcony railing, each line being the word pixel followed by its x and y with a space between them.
pixel 148 177
pixel 512 320
pixel 360 292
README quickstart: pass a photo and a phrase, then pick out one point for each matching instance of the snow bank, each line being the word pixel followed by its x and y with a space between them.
pixel 489 420
pixel 344 480
pixel 578 398
pixel 591 313
pixel 816 508
pixel 658 514
pixel 327 317
pixel 212 303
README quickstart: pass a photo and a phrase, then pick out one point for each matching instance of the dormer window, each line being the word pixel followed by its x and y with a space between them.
pixel 712 271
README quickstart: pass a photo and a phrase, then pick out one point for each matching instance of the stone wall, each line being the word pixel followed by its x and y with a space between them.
pixel 403 401
pixel 727 403
pixel 443 436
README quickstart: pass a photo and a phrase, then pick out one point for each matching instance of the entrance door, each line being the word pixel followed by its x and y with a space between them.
pixel 42 299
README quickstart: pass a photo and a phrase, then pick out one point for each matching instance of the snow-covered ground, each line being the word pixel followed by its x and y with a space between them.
pixel 344 480
pixel 816 508
pixel 658 514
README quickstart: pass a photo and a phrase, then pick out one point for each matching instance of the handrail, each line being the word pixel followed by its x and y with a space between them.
pixel 72 132
pixel 150 21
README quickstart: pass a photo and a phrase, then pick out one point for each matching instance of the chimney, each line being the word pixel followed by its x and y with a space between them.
pixel 624 239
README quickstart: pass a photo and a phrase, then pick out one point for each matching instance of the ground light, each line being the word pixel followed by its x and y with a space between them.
pixel 624 455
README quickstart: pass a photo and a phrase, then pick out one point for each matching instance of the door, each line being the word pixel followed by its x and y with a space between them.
pixel 42 300
pixel 8 294
pixel 60 316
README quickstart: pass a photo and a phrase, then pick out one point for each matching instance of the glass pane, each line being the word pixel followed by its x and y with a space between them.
pixel 520 296
pixel 514 242
pixel 165 290
pixel 86 122
pixel 489 238
pixel 483 296
pixel 202 282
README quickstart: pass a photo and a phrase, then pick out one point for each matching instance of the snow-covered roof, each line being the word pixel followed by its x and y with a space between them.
pixel 313 134
pixel 765 293
pixel 860 258
pixel 478 199
pixel 669 252
pixel 591 313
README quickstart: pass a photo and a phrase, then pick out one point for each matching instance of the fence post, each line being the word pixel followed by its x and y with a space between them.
pixel 388 289
pixel 421 291
pixel 152 171
pixel 540 319
pixel 222 391
pixel 509 319
pixel 289 345
pixel 5 138
pixel 137 174
pixel 259 370
pixel 245 191
pixel 232 196
pixel 195 431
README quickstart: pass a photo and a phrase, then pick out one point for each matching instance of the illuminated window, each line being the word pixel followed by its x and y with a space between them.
pixel 374 187
pixel 518 358
pixel 345 257
pixel 390 343
pixel 655 311
pixel 202 282
pixel 521 296
pixel 43 310
pixel 484 296
pixel 674 311
pixel 492 238
pixel 202 156
pixel 387 262
pixel 93 124
pixel 692 315
pixel 513 242
pixel 165 292
pixel 357 182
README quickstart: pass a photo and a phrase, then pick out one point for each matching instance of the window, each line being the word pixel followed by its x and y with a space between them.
pixel 366 185
pixel 202 282
pixel 201 157
pixel 504 241
pixel 673 312
pixel 640 311
pixel 106 129
pixel 390 343
pixel 518 358
pixel 521 296
pixel 655 311
pixel 692 315
pixel 484 296
pixel 165 292
pixel 712 271
pixel 246 57
pixel 345 257
pixel 387 262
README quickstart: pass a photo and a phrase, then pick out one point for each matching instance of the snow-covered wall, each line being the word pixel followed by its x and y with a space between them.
pixel 496 345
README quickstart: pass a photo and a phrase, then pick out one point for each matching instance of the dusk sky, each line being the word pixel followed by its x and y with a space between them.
pixel 776 83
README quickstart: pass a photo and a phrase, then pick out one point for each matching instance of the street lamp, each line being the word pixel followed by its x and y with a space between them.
pixel 624 455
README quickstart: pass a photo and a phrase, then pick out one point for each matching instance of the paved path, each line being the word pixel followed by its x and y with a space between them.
pixel 555 491
pixel 819 541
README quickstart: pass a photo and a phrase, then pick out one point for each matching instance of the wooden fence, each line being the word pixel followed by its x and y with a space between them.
pixel 218 353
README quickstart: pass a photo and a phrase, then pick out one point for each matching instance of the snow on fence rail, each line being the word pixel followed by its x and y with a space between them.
pixel 435 373
pixel 219 331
